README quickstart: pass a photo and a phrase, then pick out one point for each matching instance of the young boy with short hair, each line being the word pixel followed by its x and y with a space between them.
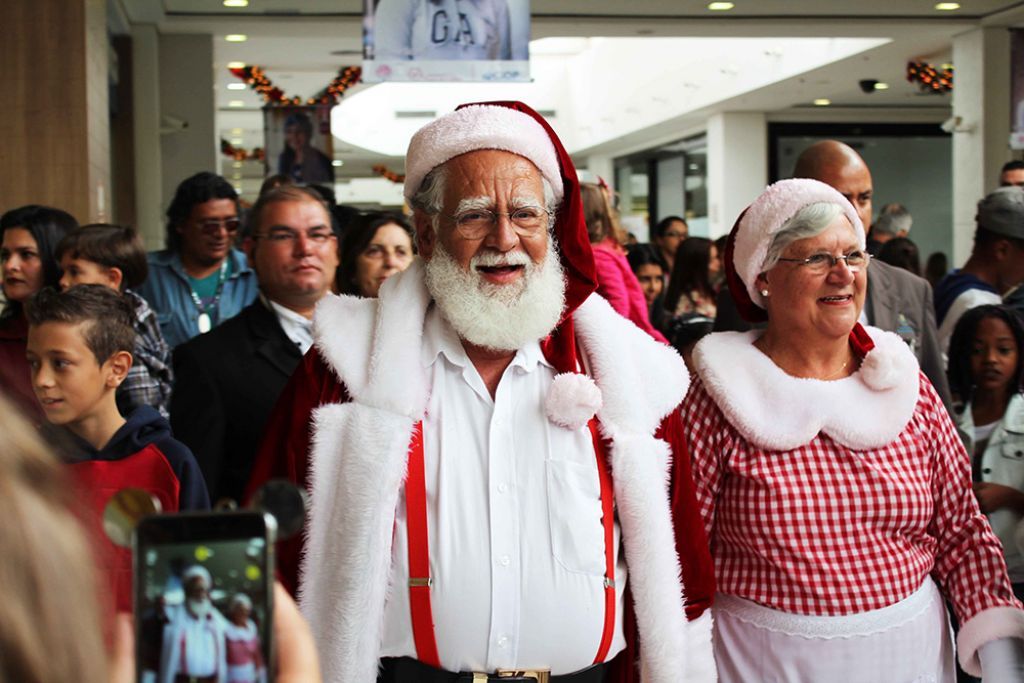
pixel 79 353
pixel 114 256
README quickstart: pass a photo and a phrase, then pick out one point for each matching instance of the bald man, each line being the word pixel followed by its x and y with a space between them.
pixel 897 300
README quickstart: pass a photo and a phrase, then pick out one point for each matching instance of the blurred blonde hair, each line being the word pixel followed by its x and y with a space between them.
pixel 602 220
pixel 50 626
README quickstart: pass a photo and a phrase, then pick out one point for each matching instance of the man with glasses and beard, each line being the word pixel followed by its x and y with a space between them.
pixel 200 279
pixel 499 484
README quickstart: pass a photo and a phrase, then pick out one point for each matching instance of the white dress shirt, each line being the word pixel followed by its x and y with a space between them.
pixel 514 522
pixel 296 327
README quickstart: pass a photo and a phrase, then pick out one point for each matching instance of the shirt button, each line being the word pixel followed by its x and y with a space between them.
pixel 987 470
pixel 504 560
pixel 502 488
pixel 503 641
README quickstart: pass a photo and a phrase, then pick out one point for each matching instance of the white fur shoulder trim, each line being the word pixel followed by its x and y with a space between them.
pixel 777 411
pixel 641 380
pixel 373 345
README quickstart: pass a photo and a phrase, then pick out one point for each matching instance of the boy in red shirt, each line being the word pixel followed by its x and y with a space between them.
pixel 79 351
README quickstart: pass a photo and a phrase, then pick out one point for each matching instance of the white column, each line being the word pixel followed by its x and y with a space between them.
pixel 602 166
pixel 146 134
pixel 737 166
pixel 186 87
pixel 981 98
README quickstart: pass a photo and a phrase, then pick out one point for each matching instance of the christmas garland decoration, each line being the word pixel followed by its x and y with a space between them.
pixel 256 79
pixel 929 78
pixel 382 170
pixel 239 154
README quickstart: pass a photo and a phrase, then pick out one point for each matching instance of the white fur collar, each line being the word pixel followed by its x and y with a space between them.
pixel 776 411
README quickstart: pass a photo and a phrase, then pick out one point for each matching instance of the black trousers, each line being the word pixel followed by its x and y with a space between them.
pixel 409 670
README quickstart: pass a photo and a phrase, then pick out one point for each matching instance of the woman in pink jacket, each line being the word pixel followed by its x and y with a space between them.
pixel 615 279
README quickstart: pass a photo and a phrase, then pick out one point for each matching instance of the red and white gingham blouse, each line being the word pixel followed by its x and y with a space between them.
pixel 826 530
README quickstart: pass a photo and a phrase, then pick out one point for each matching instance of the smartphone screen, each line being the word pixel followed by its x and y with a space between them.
pixel 203 597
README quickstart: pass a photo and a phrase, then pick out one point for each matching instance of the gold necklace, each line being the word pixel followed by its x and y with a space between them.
pixel 837 372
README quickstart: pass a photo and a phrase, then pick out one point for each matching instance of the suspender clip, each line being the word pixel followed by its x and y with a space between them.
pixel 418 582
pixel 609 583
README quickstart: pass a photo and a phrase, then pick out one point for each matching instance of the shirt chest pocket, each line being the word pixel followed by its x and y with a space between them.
pixel 1013 448
pixel 574 516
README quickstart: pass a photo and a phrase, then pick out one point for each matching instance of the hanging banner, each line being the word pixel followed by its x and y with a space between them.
pixel 1017 88
pixel 446 40
pixel 299 143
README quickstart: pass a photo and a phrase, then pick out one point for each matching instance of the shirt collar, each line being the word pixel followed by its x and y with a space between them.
pixel 440 339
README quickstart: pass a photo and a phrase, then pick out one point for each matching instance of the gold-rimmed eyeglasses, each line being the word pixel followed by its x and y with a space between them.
pixel 823 262
pixel 527 221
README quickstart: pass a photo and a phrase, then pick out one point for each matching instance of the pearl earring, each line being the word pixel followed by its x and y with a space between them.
pixel 764 292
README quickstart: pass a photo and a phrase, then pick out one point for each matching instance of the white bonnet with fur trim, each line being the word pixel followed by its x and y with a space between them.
pixel 480 127
pixel 766 216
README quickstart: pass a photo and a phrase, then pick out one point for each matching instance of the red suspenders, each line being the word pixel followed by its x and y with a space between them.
pixel 419 556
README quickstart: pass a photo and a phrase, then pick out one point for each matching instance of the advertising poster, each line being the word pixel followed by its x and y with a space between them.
pixel 446 40
pixel 299 143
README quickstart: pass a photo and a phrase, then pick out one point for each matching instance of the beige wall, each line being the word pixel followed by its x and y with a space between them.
pixel 54 124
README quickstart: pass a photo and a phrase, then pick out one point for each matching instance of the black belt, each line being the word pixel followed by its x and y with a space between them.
pixel 409 670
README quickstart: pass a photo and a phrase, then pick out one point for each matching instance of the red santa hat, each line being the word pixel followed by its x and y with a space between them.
pixel 515 127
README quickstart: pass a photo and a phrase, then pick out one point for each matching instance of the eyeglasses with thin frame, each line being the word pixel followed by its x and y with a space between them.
pixel 527 221
pixel 286 237
pixel 210 226
pixel 823 262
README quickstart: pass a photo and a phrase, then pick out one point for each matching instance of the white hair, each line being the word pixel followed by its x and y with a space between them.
pixel 809 221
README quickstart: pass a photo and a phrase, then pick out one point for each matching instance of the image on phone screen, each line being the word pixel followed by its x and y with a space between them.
pixel 202 599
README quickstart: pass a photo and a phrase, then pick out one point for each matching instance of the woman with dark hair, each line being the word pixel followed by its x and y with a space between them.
pixel 690 290
pixel 986 369
pixel 615 280
pixel 30 235
pixel 902 253
pixel 375 247
pixel 299 160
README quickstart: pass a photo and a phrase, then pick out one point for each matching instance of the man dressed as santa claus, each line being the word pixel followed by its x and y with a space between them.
pixel 499 486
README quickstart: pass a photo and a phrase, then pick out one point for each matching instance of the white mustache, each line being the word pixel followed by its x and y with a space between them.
pixel 493 259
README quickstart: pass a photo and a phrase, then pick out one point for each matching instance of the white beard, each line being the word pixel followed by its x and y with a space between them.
pixel 199 608
pixel 499 317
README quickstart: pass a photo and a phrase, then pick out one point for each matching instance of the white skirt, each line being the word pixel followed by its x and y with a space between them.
pixel 909 642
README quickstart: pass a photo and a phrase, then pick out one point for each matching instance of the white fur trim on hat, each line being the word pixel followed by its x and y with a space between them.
pixel 480 127
pixel 769 213
pixel 197 571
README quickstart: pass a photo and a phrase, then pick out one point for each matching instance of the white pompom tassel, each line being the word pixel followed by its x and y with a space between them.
pixel 572 400
pixel 879 369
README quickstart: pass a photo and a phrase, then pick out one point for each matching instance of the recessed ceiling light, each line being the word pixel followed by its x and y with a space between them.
pixel 236 37
pixel 237 164
pixel 236 86
pixel 236 131
pixel 236 103
pixel 236 3
pixel 720 6
pixel 238 189
pixel 337 162
pixel 822 102
pixel 947 66
pixel 236 65
pixel 236 141
pixel 947 6
pixel 881 86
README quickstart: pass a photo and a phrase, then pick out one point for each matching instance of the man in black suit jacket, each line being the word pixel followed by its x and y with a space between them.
pixel 229 379
pixel 897 300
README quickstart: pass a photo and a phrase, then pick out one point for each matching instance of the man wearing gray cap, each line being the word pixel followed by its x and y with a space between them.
pixel 996 263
